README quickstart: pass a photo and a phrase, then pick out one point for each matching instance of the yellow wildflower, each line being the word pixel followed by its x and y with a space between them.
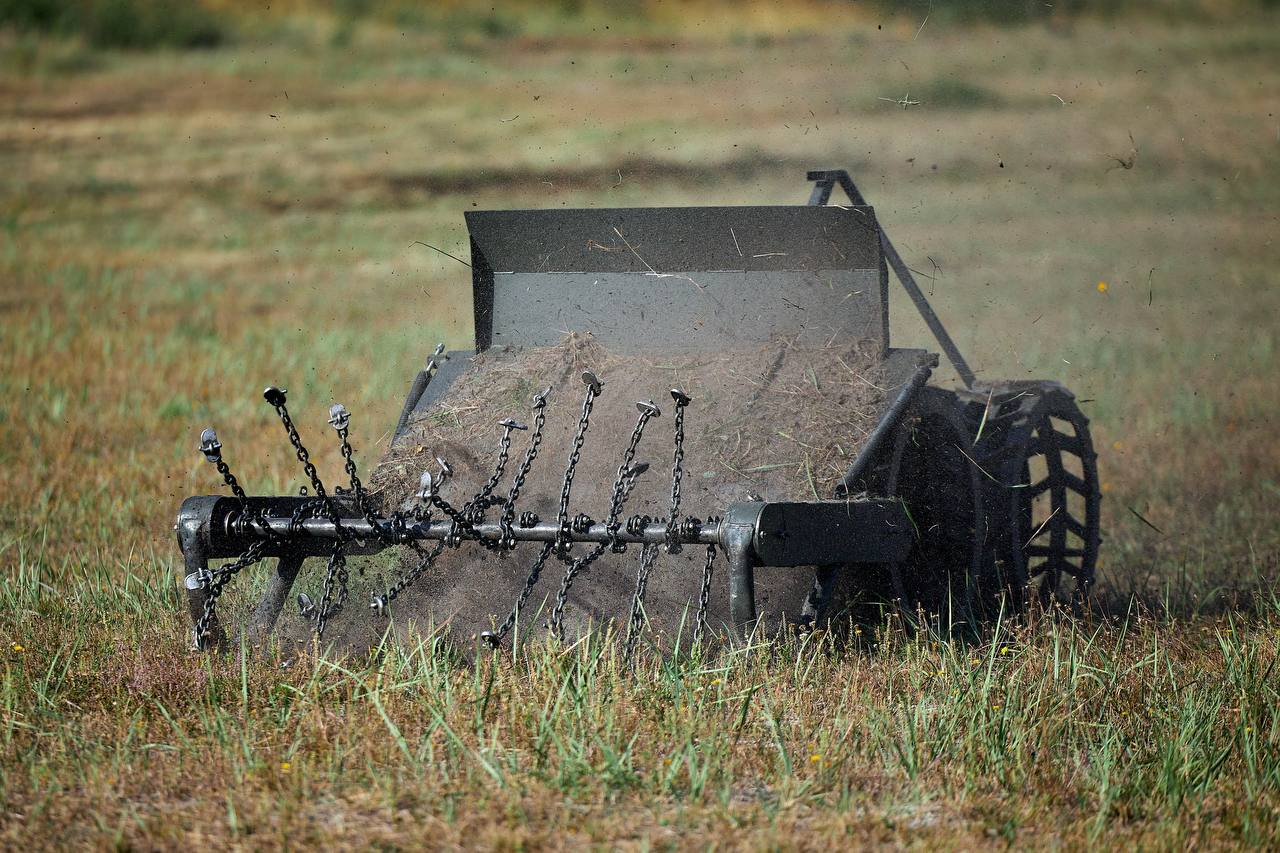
pixel 815 758
pixel 1102 287
pixel 17 647
pixel 284 766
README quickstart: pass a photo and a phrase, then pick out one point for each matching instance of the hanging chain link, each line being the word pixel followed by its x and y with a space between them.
pixel 213 583
pixel 495 638
pixel 563 543
pixel 340 420
pixel 677 472
pixel 475 508
pixel 380 603
pixel 704 598
pixel 517 482
pixel 337 570
pixel 623 484
pixel 648 558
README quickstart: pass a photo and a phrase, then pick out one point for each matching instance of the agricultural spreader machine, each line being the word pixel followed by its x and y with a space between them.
pixel 958 503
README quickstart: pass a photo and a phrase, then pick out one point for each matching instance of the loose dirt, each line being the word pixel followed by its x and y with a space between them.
pixel 776 422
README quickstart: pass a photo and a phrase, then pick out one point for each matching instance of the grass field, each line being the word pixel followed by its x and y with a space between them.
pixel 180 229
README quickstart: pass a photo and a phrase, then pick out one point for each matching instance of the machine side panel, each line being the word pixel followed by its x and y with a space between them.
pixel 688 312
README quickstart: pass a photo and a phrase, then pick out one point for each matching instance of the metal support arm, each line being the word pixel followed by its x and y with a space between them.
pixel 824 181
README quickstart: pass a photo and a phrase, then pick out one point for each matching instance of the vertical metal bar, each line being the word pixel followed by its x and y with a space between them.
pixel 737 538
pixel 268 610
pixel 417 389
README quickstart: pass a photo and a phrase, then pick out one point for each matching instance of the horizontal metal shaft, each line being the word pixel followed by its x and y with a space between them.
pixel 544 531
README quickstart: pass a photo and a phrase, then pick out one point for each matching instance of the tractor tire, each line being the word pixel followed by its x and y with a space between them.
pixel 1041 492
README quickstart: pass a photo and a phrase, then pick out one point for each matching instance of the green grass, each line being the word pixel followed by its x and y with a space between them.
pixel 179 230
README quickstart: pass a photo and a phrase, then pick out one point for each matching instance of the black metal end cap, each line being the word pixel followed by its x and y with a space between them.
pixel 275 396
pixel 490 639
pixel 591 380
pixel 648 407
pixel 681 398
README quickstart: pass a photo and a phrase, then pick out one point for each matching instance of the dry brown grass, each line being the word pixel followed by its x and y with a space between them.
pixel 176 233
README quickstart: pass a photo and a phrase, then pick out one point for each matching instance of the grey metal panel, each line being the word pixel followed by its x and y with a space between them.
pixel 640 239
pixel 687 312
pixel 659 241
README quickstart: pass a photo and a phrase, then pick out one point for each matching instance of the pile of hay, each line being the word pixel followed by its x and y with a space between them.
pixel 779 422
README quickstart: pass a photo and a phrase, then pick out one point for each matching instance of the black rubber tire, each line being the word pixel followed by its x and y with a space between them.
pixel 947 575
pixel 1043 495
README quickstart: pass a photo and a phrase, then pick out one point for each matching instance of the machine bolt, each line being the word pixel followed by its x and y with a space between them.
pixel 339 417
pixel 209 445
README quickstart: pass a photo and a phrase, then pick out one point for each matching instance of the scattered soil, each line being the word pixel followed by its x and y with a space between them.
pixel 778 421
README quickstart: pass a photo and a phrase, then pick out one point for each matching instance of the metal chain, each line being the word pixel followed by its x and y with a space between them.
pixel 213 583
pixel 563 543
pixel 648 558
pixel 622 487
pixel 475 508
pixel 329 607
pixel 380 603
pixel 704 598
pixel 340 420
pixel 495 638
pixel 583 563
pixel 337 570
pixel 517 482
pixel 677 471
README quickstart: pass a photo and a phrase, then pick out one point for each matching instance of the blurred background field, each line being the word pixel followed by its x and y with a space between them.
pixel 199 199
